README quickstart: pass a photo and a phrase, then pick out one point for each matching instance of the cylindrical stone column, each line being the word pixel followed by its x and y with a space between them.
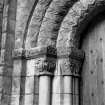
pixel 76 82
pixel 44 90
pixel 71 67
pixel 57 89
pixel 45 85
pixel 41 62
pixel 76 91
pixel 68 90
pixel 71 88
pixel 68 81
pixel 46 67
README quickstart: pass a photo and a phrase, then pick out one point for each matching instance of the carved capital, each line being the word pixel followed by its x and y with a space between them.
pixel 45 58
pixel 72 63
pixel 45 66
pixel 71 52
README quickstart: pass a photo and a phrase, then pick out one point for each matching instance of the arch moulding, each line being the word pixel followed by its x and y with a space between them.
pixel 69 56
pixel 69 37
pixel 81 13
pixel 76 20
pixel 69 33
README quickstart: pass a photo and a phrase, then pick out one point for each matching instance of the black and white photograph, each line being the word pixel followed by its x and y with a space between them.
pixel 52 52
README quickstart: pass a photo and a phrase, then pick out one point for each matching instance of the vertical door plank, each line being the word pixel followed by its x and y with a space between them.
pixel 99 61
pixel 93 71
pixel 85 100
pixel 92 67
pixel 103 54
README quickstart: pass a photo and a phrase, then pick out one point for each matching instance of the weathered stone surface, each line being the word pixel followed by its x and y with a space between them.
pixel 4 25
pixel 36 22
pixel 29 85
pixel 44 38
pixel 75 19
pixel 30 68
pixel 2 56
pixel 23 12
pixel 6 99
pixel 17 68
pixel 0 97
pixel 5 11
pixel 28 100
pixel 1 70
pixel 1 84
pixel 50 25
pixel 7 85
pixel 57 99
pixel 68 99
pixel 36 85
pixel 36 99
pixel 44 90
pixel 3 41
pixel 57 84
pixel 34 52
pixel 68 85
pixel 14 100
pixel 15 86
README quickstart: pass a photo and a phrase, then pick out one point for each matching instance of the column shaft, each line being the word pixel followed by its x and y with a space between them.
pixel 44 90
pixel 75 91
pixel 57 90
pixel 67 90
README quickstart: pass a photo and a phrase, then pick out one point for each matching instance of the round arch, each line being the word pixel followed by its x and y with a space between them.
pixel 73 24
pixel 76 21
pixel 67 34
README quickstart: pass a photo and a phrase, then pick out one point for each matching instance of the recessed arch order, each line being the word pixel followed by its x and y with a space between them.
pixel 76 21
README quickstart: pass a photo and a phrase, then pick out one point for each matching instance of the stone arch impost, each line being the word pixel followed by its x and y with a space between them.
pixel 73 60
pixel 45 57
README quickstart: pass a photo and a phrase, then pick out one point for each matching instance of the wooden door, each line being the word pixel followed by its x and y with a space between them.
pixel 93 72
